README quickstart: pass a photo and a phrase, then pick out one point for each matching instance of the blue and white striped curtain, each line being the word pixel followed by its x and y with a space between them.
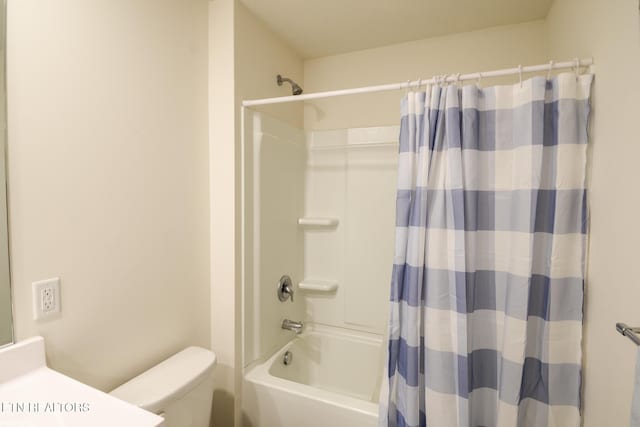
pixel 487 288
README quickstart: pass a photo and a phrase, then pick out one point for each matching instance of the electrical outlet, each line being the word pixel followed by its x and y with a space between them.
pixel 46 298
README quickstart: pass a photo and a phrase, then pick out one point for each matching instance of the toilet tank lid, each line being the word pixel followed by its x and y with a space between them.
pixel 169 380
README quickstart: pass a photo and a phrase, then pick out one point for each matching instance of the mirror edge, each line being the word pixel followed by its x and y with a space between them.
pixel 5 137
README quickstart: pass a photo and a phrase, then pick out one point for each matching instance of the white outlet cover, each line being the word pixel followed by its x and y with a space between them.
pixel 46 298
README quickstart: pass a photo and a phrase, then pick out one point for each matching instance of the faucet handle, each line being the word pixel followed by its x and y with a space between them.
pixel 285 288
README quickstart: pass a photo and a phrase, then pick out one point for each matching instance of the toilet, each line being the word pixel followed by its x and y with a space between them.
pixel 180 389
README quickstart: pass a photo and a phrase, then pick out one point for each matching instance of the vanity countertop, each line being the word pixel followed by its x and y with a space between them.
pixel 33 395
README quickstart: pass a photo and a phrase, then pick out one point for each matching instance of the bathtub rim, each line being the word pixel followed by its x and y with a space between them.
pixel 258 371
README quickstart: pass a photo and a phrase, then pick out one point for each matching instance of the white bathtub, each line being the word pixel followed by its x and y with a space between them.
pixel 332 380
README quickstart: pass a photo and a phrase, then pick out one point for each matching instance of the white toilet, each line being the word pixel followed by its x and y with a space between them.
pixel 180 389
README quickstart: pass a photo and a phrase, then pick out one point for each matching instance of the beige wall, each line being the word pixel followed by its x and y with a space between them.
pixel 245 57
pixel 489 49
pixel 108 179
pixel 6 322
pixel 223 188
pixel 260 57
pixel 609 31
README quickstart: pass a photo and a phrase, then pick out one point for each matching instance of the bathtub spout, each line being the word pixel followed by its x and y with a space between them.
pixel 292 325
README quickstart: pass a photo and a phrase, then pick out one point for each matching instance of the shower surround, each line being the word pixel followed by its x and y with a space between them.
pixel 319 207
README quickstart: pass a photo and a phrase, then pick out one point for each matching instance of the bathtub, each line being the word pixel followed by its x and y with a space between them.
pixel 332 380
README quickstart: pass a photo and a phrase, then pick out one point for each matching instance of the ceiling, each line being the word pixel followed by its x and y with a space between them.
pixel 327 27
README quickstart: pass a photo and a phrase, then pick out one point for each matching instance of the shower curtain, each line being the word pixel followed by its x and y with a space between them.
pixel 487 287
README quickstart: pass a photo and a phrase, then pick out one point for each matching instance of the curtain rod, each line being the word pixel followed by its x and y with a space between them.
pixel 448 78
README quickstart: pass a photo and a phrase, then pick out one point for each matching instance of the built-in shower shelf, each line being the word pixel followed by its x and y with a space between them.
pixel 314 285
pixel 318 222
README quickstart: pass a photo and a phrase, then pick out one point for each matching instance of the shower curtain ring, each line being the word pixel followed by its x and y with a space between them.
pixel 479 79
pixel 576 63
pixel 550 69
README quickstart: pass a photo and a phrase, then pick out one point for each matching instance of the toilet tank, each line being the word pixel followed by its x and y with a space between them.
pixel 180 389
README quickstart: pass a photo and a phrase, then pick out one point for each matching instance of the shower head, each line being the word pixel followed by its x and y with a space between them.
pixel 295 87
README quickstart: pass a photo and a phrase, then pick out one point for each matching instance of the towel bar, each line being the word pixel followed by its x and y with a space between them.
pixel 628 332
